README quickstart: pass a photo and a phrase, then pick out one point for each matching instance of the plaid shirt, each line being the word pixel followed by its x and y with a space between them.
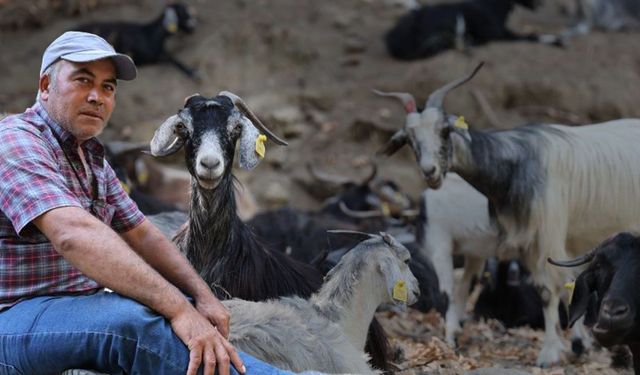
pixel 35 177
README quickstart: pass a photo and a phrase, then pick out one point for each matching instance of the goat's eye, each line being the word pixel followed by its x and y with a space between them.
pixel 180 126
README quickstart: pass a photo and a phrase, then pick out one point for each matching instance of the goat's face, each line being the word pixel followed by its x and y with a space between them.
pixel 606 292
pixel 393 264
pixel 179 17
pixel 208 129
pixel 428 133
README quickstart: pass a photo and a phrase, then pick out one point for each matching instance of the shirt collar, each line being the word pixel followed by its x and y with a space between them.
pixel 64 136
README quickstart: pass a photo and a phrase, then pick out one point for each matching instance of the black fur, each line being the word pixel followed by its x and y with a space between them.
pixel 224 250
pixel 431 29
pixel 144 43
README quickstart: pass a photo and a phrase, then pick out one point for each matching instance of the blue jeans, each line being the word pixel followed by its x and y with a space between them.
pixel 104 331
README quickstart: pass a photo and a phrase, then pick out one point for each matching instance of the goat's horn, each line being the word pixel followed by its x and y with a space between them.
pixel 410 213
pixel 345 231
pixel 437 97
pixel 239 103
pixel 325 177
pixel 372 175
pixel 407 99
pixel 584 259
pixel 189 97
pixel 359 214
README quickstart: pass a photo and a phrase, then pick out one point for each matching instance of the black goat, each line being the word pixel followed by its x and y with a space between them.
pixel 509 296
pixel 118 155
pixel 606 293
pixel 219 245
pixel 144 43
pixel 431 29
pixel 370 205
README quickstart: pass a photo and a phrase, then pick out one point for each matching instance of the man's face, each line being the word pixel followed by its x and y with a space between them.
pixel 83 96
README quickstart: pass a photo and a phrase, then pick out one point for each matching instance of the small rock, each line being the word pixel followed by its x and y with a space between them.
pixel 496 371
pixel 275 194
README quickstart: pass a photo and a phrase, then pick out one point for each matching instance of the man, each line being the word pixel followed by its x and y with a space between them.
pixel 67 230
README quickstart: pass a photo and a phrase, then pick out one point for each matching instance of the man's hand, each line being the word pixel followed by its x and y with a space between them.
pixel 216 313
pixel 206 345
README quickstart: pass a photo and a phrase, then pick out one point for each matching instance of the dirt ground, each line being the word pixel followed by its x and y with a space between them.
pixel 308 67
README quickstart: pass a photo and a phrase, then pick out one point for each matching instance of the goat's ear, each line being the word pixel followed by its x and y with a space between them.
pixel 398 140
pixel 170 20
pixel 580 300
pixel 250 142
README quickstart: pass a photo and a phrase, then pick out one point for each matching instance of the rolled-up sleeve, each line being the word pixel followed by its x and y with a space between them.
pixel 30 179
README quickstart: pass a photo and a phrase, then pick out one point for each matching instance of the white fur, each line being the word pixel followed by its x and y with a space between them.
pixel 327 333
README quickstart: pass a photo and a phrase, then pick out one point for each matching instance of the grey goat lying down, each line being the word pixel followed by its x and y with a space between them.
pixel 328 331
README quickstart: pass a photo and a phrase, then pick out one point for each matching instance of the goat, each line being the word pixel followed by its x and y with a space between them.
pixel 431 29
pixel 554 189
pixel 607 15
pixel 144 43
pixel 302 234
pixel 327 332
pixel 219 245
pixel 606 293
pixel 509 296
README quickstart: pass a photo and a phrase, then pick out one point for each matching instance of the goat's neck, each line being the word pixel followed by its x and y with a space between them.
pixel 484 160
pixel 212 218
pixel 351 302
pixel 156 31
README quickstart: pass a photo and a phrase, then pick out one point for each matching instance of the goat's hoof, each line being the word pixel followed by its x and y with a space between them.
pixel 550 355
pixel 577 347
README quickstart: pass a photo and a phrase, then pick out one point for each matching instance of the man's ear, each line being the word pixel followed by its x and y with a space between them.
pixel 43 86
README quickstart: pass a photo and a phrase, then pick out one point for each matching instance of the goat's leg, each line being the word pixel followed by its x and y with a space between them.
pixel 581 340
pixel 472 266
pixel 439 249
pixel 548 39
pixel 552 346
pixel 190 72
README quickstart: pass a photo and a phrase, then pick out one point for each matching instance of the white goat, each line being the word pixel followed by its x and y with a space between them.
pixel 456 223
pixel 327 333
pixel 550 185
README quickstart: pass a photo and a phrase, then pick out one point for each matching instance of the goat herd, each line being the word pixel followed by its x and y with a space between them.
pixel 538 194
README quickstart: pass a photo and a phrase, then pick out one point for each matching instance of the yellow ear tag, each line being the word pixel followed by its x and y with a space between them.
pixel 400 291
pixel 461 123
pixel 172 28
pixel 386 211
pixel 260 148
pixel 571 286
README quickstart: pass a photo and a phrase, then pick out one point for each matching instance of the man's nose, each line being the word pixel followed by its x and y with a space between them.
pixel 95 97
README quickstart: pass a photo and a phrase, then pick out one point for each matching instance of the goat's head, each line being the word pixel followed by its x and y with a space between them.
pixel 427 132
pixel 370 197
pixel 178 16
pixel 208 128
pixel 390 259
pixel 606 292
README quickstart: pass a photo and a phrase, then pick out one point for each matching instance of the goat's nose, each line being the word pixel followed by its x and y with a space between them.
pixel 428 170
pixel 210 162
pixel 615 310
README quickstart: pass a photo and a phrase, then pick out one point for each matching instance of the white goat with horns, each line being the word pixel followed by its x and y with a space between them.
pixel 327 333
pixel 557 190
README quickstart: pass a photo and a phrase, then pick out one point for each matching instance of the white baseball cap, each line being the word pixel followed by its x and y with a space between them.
pixel 77 46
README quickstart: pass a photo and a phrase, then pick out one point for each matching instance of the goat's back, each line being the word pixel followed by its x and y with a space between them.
pixel 290 334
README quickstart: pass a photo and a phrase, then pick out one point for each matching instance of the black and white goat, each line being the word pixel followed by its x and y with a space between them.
pixel 327 332
pixel 432 29
pixel 221 247
pixel 555 189
pixel 607 15
pixel 145 43
pixel 606 293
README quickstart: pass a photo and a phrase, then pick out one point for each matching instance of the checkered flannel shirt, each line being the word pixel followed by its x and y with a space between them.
pixel 35 177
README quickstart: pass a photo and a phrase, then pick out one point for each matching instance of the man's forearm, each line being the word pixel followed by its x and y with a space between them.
pixel 98 252
pixel 163 255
